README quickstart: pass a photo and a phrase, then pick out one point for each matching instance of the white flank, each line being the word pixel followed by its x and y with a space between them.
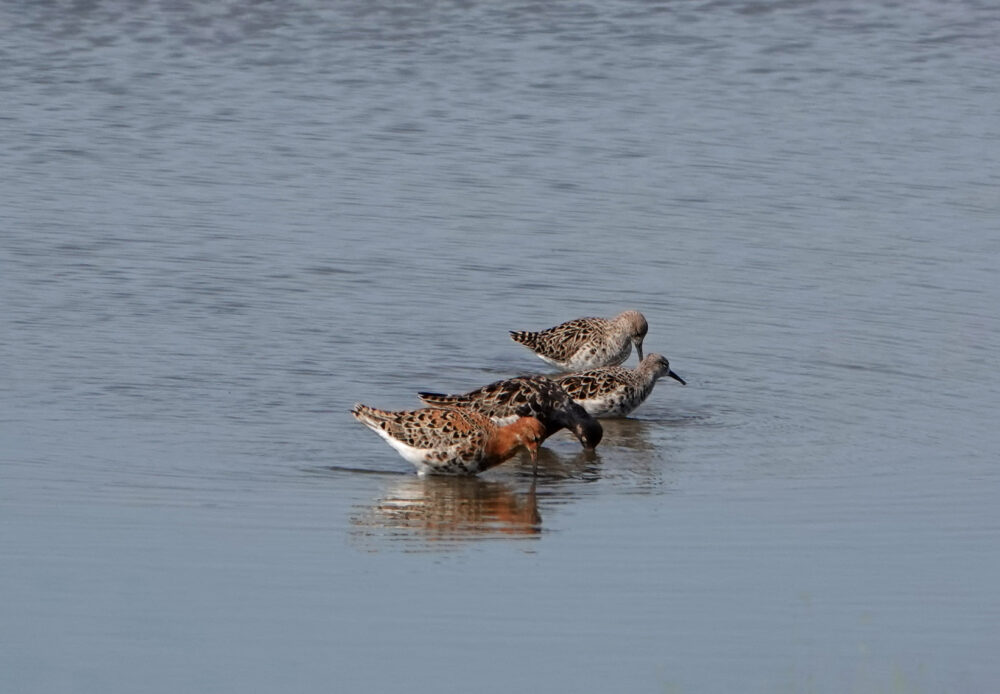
pixel 417 456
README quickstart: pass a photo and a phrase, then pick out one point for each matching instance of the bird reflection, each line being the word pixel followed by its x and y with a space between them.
pixel 582 465
pixel 632 457
pixel 630 433
pixel 453 508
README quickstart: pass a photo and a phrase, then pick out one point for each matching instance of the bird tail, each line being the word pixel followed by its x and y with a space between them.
pixel 369 416
pixel 524 337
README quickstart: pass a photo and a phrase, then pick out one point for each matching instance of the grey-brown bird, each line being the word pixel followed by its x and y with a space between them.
pixel 614 391
pixel 587 343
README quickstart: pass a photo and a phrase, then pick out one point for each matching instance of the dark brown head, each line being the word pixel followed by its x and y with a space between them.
pixel 571 415
pixel 557 410
pixel 588 431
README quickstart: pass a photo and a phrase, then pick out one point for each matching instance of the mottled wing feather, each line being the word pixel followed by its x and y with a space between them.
pixel 446 400
pixel 563 341
pixel 552 397
pixel 512 396
pixel 523 396
pixel 432 427
pixel 594 383
pixel 535 396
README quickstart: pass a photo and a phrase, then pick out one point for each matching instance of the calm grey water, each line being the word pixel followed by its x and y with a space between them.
pixel 221 224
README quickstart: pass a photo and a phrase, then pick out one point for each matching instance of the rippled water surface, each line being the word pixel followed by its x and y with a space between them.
pixel 221 224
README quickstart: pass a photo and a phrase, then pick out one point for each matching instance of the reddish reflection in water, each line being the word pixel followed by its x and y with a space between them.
pixel 452 508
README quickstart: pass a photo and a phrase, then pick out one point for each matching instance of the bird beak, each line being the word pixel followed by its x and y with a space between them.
pixel 533 452
pixel 677 378
pixel 638 348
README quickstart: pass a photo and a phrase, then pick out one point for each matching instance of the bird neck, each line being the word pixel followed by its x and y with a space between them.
pixel 646 371
pixel 502 444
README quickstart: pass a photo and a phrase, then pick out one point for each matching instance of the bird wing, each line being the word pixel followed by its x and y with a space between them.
pixel 565 340
pixel 430 427
pixel 590 384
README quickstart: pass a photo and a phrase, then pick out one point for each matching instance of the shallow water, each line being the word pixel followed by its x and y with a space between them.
pixel 223 224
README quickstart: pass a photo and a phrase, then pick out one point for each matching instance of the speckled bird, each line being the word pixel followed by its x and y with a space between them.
pixel 451 441
pixel 614 391
pixel 587 343
pixel 527 396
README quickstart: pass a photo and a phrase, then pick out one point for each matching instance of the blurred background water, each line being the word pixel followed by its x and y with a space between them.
pixel 221 224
